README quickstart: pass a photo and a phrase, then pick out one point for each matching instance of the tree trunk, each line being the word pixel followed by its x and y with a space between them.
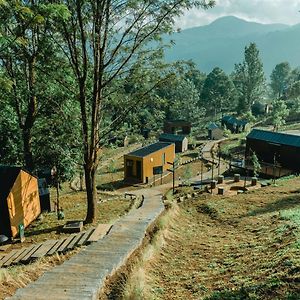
pixel 91 192
pixel 28 157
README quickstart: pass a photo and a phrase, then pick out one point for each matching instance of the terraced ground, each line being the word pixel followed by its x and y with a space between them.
pixel 238 247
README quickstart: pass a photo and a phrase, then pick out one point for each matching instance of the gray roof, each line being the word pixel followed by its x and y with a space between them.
pixel 168 137
pixel 275 137
pixel 212 126
pixel 233 120
pixel 147 150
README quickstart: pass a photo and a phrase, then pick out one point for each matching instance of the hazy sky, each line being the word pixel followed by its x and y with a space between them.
pixel 263 11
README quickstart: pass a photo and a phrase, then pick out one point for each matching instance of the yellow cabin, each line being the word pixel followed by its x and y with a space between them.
pixel 19 200
pixel 142 164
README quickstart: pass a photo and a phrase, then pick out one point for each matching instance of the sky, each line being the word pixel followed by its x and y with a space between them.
pixel 262 11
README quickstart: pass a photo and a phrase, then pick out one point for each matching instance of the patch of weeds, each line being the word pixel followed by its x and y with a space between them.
pixel 241 294
pixel 293 296
pixel 274 283
pixel 158 290
pixel 206 209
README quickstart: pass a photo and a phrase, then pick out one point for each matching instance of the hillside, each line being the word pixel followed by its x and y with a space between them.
pixel 243 247
pixel 222 44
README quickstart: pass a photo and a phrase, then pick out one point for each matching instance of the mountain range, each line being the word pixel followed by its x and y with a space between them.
pixel 222 43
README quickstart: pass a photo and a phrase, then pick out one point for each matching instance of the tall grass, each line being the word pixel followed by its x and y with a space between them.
pixel 137 285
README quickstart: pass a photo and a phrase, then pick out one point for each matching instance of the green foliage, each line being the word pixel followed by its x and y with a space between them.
pixel 280 77
pixel 241 294
pixel 256 165
pixel 279 113
pixel 218 93
pixel 249 78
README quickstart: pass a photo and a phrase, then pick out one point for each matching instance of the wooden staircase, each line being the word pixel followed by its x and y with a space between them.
pixel 50 247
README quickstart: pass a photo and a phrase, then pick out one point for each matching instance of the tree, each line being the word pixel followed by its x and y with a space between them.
pixel 25 50
pixel 105 41
pixel 279 113
pixel 218 93
pixel 249 78
pixel 280 77
pixel 256 165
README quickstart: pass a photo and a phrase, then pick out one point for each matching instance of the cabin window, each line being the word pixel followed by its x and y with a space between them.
pixel 129 163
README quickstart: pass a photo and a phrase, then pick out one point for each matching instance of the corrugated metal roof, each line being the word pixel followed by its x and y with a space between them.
pixel 147 150
pixel 168 137
pixel 275 137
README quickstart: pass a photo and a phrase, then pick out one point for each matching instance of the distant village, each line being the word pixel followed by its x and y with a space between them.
pixel 24 195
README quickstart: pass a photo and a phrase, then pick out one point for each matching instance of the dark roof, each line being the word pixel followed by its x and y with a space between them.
pixel 8 175
pixel 233 120
pixel 168 137
pixel 178 122
pixel 212 126
pixel 147 150
pixel 275 137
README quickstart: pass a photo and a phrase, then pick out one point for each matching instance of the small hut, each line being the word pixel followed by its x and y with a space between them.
pixel 177 126
pixel 215 132
pixel 19 200
pixel 180 141
pixel 235 125
pixel 144 163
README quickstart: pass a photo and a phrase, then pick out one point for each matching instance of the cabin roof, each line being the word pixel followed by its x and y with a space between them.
pixel 233 120
pixel 172 137
pixel 275 137
pixel 147 150
pixel 212 126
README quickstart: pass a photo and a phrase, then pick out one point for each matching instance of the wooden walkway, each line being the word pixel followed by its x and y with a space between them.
pixel 84 275
pixel 50 247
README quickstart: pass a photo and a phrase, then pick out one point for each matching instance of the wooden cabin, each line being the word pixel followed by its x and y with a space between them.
pixel 235 125
pixel 181 142
pixel 274 149
pixel 215 132
pixel 19 200
pixel 178 127
pixel 144 163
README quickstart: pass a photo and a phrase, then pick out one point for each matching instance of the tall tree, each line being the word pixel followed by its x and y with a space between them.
pixel 25 50
pixel 218 93
pixel 105 41
pixel 280 77
pixel 249 78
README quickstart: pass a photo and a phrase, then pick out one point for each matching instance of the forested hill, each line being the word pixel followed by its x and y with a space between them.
pixel 222 44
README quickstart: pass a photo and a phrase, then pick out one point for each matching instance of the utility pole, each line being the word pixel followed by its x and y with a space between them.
pixel 201 171
pixel 212 174
pixel 173 173
pixel 219 155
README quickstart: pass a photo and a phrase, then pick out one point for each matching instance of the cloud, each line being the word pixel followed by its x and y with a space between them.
pixel 263 11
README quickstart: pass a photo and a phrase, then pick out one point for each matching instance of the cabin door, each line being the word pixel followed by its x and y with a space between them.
pixel 139 170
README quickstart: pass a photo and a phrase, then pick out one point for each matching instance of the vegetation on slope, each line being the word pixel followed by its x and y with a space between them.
pixel 240 247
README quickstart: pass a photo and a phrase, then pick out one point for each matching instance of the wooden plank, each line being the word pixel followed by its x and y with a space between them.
pixel 8 256
pixel 28 255
pixel 19 258
pixel 64 245
pixel 55 247
pixel 75 240
pixel 44 249
pixel 100 231
pixel 9 261
pixel 85 237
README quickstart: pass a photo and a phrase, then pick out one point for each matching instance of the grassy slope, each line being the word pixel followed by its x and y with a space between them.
pixel 242 247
